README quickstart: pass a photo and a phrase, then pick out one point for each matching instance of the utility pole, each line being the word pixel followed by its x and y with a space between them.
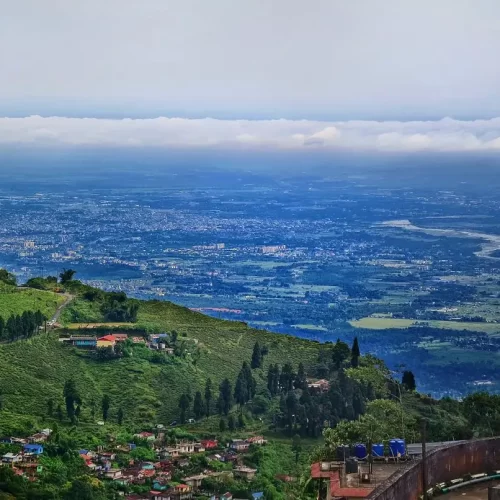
pixel 424 458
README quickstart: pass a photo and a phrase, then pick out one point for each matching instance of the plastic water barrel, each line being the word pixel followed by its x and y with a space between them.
pixel 401 447
pixel 378 450
pixel 393 447
pixel 351 466
pixel 360 451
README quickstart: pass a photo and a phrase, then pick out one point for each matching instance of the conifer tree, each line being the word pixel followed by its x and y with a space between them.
pixel 355 353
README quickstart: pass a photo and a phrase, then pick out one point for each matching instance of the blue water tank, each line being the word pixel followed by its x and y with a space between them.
pixel 378 450
pixel 393 447
pixel 360 451
pixel 401 447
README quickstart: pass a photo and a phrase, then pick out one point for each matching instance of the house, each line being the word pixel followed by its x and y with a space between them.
pixel 245 472
pixel 185 448
pixel 106 341
pixel 256 440
pixel 225 496
pixel 11 458
pixel 239 445
pixel 159 495
pixel 83 342
pixel 198 448
pixel 120 337
pixel 113 474
pixel 182 492
pixel 195 481
pixel 33 449
pixel 319 385
pixel 257 495
pixel 39 437
pixel 148 436
pixel 138 340
pixel 209 444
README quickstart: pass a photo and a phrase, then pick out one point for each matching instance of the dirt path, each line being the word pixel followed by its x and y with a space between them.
pixel 59 310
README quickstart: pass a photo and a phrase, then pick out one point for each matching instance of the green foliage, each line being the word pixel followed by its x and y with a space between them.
pixel 408 381
pixel 7 278
pixel 355 353
pixel 256 356
pixel 66 275
pixel 14 301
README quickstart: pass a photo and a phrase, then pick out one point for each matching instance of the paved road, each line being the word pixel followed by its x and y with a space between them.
pixel 59 310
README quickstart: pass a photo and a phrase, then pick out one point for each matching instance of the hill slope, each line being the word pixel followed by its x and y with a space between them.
pixel 34 371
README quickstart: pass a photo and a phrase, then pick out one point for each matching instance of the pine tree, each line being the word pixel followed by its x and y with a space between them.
pixel 119 416
pixel 225 397
pixel 300 379
pixel 256 356
pixel 71 398
pixel 184 402
pixel 355 353
pixel 241 421
pixel 50 407
pixel 198 406
pixel 59 413
pixel 208 396
pixel 222 425
pixel 231 424
pixel 105 404
pixel 408 381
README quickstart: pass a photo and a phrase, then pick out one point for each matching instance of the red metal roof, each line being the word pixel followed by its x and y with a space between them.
pixel 109 338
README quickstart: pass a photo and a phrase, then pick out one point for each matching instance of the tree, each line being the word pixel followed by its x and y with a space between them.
pixel 231 424
pixel 59 413
pixel 408 381
pixel 225 400
pixel 105 404
pixel 50 407
pixel 286 378
pixel 208 396
pixel 198 406
pixel 241 421
pixel 340 354
pixel 355 353
pixel 71 398
pixel 7 278
pixel 119 416
pixel 66 275
pixel 300 379
pixel 273 379
pixel 222 425
pixel 184 402
pixel 296 447
pixel 256 356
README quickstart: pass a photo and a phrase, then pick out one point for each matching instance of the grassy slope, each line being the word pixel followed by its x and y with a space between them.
pixel 34 370
pixel 15 300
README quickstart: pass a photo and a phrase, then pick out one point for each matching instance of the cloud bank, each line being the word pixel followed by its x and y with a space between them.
pixel 442 135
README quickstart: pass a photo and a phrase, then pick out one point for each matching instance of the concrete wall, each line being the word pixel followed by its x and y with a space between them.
pixel 443 464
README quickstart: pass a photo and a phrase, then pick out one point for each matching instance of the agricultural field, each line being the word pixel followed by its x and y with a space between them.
pixel 377 323
pixel 14 301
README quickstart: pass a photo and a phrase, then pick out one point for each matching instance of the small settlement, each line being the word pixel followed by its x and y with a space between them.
pixel 155 476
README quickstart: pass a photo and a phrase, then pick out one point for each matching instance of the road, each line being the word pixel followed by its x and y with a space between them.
pixel 59 310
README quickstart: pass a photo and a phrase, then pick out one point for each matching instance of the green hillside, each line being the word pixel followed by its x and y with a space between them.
pixel 14 300
pixel 33 371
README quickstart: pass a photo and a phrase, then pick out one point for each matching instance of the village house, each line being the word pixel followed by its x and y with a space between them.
pixel 181 492
pixel 158 495
pixel 33 449
pixel 245 472
pixel 209 444
pixel 195 481
pixel 120 337
pixel 319 385
pixel 256 440
pixel 38 438
pixel 113 474
pixel 198 448
pixel 239 445
pixel 12 458
pixel 106 341
pixel 148 436
pixel 185 448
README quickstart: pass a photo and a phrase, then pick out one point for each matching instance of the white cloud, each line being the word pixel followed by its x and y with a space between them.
pixel 443 135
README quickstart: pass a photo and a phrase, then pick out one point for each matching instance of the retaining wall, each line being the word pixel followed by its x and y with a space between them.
pixel 443 464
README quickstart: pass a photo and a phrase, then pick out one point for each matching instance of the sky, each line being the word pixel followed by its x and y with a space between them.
pixel 353 71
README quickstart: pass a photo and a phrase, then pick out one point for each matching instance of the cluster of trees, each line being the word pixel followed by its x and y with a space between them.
pixel 73 405
pixel 117 307
pixel 21 326
pixel 7 278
